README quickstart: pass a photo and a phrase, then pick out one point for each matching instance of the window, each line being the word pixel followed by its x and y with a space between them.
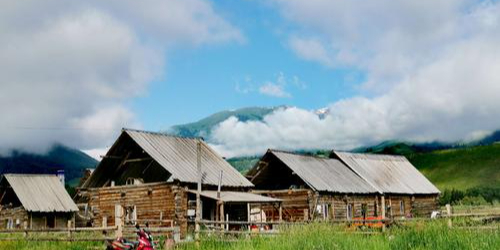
pixel 349 211
pixel 323 211
pixel 364 210
pixel 402 207
pixel 130 215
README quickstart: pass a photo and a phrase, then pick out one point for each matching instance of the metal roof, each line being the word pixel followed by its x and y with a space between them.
pixel 178 156
pixel 387 173
pixel 41 193
pixel 324 174
pixel 236 197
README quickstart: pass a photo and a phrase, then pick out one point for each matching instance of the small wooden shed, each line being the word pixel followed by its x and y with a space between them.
pixel 34 201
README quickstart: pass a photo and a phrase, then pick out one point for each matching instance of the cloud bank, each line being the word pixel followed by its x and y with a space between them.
pixel 432 73
pixel 68 69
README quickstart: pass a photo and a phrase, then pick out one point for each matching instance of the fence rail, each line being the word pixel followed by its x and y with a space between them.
pixel 86 234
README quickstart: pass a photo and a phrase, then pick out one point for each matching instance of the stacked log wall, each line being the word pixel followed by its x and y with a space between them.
pixel 152 201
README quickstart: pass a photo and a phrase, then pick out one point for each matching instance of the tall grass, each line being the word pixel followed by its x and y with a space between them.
pixel 435 236
pixel 321 236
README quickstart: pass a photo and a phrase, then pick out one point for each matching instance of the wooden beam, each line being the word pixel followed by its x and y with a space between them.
pixel 111 157
pixel 138 160
pixel 1 198
pixel 198 191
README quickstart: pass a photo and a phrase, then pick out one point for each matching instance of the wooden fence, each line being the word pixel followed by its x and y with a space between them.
pixel 73 234
pixel 96 234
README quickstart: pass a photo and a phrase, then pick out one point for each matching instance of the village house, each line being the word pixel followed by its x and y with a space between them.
pixel 344 186
pixel 152 177
pixel 406 191
pixel 312 187
pixel 34 201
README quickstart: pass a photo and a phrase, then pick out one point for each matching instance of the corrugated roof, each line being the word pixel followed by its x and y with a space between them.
pixel 178 156
pixel 41 193
pixel 387 173
pixel 324 174
pixel 230 196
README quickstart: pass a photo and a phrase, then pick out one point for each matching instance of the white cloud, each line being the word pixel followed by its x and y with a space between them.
pixel 311 49
pixel 67 70
pixel 276 88
pixel 432 74
pixel 272 89
pixel 96 153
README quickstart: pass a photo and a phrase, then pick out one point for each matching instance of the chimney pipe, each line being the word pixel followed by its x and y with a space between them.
pixel 60 175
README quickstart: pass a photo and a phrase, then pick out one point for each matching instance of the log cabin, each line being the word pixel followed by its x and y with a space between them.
pixel 152 177
pixel 406 191
pixel 34 201
pixel 328 188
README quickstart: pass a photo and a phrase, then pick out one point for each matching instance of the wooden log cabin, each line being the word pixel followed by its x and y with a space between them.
pixel 34 201
pixel 406 191
pixel 152 177
pixel 313 188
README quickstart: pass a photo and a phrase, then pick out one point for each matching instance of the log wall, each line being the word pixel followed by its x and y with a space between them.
pixel 154 203
pixel 13 214
pixel 301 205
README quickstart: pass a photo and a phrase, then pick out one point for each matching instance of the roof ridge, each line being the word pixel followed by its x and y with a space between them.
pixel 30 174
pixel 161 134
pixel 370 154
pixel 296 153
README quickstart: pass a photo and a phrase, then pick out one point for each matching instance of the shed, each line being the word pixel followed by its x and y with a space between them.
pixel 35 201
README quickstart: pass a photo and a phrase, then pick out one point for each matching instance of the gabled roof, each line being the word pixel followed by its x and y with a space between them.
pixel 387 173
pixel 323 174
pixel 41 193
pixel 178 156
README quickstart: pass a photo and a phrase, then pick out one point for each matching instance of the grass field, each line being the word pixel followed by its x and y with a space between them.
pixel 460 168
pixel 415 235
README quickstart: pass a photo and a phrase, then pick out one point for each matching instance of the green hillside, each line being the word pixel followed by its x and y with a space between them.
pixel 205 125
pixel 461 168
pixel 71 160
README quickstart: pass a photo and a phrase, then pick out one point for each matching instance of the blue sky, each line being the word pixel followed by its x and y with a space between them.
pixel 202 81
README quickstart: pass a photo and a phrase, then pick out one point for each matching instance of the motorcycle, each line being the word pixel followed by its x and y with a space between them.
pixel 145 242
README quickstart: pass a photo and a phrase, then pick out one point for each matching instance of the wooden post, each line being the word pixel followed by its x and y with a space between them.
pixel 382 208
pixel 104 221
pixel 281 212
pixel 448 212
pixel 69 228
pixel 221 214
pixel 25 228
pixel 198 193
pixel 248 215
pixel 227 222
pixel 119 231
pixel 220 184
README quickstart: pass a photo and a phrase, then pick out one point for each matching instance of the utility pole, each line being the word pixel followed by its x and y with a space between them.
pixel 198 193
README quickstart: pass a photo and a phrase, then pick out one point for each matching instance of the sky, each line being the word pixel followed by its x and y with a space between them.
pixel 411 70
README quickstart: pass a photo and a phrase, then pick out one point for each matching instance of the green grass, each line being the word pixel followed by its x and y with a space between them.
pixel 318 236
pixel 461 168
pixel 435 236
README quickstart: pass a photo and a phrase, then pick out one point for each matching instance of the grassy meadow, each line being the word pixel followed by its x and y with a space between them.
pixel 460 168
pixel 318 236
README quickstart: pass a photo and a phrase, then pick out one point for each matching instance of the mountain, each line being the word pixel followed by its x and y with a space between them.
pixel 204 126
pixel 71 160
